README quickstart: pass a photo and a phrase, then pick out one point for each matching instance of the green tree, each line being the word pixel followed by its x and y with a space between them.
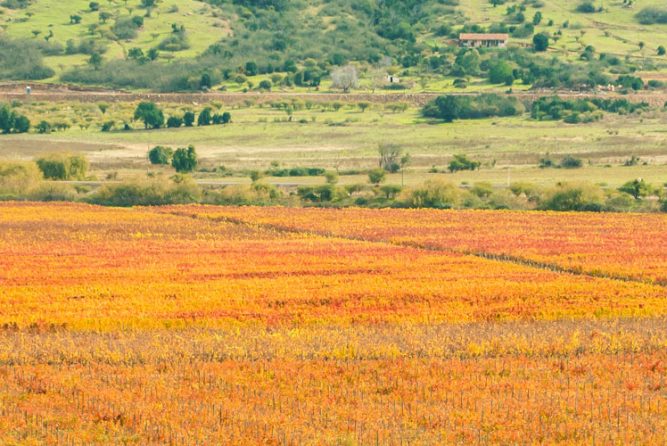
pixel 59 166
pixel 541 42
pixel 205 117
pixel 189 119
pixel 377 176
pixel 160 155
pixel 637 188
pixel 150 114
pixel 184 160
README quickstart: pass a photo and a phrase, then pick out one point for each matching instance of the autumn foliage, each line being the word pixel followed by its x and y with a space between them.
pixel 209 325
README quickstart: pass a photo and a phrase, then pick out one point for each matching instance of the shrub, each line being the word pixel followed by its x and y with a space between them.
pixel 60 166
pixel 461 162
pixel 541 42
pixel 53 192
pixel 205 117
pixel 449 108
pixel 12 122
pixel 377 176
pixel 637 188
pixel 189 118
pixel 570 162
pixel 148 192
pixel 586 7
pixel 160 155
pixel 184 160
pixel 174 122
pixel 652 15
pixel 433 194
pixel 574 197
pixel 17 179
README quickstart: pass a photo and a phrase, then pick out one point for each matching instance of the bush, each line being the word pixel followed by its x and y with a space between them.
pixel 449 108
pixel 570 162
pixel 652 15
pixel 53 192
pixel 12 122
pixel 60 166
pixel 160 155
pixel 205 117
pixel 574 197
pixel 637 188
pixel 148 192
pixel 254 194
pixel 377 176
pixel 541 42
pixel 586 7
pixel 184 160
pixel 18 179
pixel 174 122
pixel 433 194
pixel 461 162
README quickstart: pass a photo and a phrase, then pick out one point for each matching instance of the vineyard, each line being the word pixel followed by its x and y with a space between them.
pixel 195 325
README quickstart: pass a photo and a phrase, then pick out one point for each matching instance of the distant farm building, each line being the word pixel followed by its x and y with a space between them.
pixel 483 40
pixel 390 79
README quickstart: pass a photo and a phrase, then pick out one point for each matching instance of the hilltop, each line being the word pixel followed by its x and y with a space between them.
pixel 240 45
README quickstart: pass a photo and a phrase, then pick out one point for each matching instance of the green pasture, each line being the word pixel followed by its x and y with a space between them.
pixel 45 16
pixel 347 139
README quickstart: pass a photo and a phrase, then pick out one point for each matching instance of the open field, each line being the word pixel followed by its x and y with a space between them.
pixel 318 135
pixel 196 325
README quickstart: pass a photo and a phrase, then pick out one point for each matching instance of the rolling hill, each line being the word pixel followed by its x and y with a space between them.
pixel 173 44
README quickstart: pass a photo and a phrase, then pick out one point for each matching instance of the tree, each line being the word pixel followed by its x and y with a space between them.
pixel 174 122
pixel 12 122
pixel 96 60
pixel 105 16
pixel 537 18
pixel 184 160
pixel 251 69
pixel 150 114
pixel 21 124
pixel 363 106
pixel 265 85
pixel 226 118
pixel 205 117
pixel 540 42
pixel 345 78
pixel 189 119
pixel 160 155
pixel 637 188
pixel 661 50
pixel 501 72
pixel 390 157
pixel 75 19
pixel 448 107
pixel 377 176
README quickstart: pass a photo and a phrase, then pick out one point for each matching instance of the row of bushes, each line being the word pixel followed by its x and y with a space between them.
pixel 451 107
pixel 581 110
pixel 25 181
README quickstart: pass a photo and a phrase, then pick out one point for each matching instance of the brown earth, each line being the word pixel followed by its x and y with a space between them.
pixel 59 93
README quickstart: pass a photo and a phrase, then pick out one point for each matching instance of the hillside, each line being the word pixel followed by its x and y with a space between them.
pixel 237 44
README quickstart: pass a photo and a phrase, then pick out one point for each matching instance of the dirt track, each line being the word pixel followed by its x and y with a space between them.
pixel 55 93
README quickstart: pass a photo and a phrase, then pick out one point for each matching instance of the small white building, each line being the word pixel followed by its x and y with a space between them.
pixel 391 79
pixel 472 40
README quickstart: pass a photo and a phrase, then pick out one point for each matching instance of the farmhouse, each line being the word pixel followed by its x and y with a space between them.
pixel 483 40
